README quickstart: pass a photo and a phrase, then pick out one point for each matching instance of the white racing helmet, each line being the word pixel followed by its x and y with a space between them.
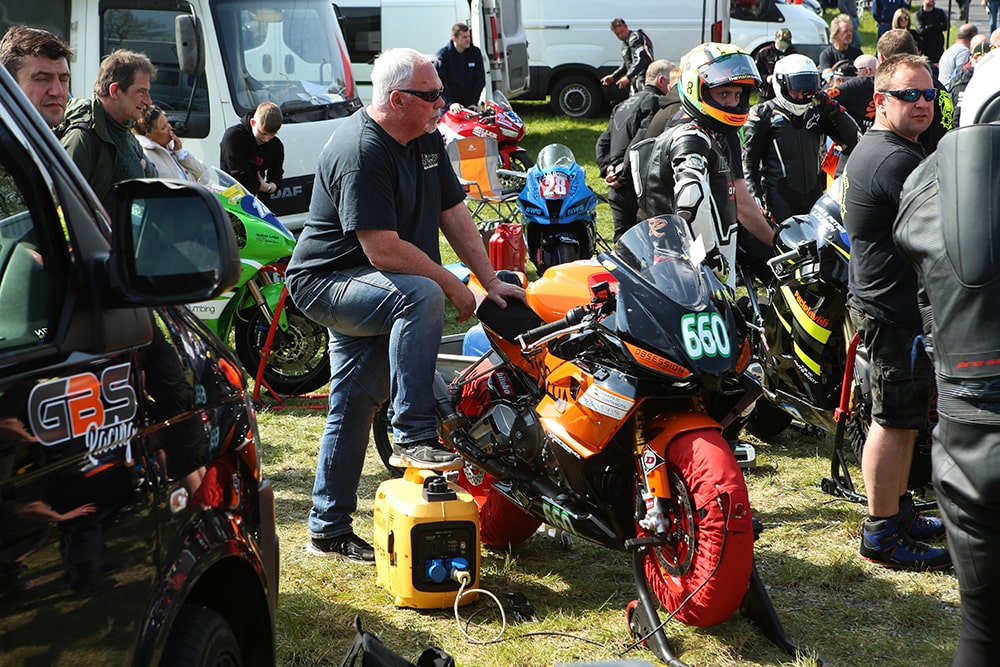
pixel 799 73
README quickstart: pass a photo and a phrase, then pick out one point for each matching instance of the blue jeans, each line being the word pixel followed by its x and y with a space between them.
pixel 385 331
pixel 993 6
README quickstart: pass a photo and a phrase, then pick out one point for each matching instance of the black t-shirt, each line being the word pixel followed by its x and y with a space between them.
pixel 882 282
pixel 366 180
pixel 856 95
pixel 831 55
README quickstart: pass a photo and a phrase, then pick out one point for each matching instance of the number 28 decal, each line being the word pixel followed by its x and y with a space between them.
pixel 705 335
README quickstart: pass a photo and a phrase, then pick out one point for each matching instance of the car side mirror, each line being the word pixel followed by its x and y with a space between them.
pixel 172 243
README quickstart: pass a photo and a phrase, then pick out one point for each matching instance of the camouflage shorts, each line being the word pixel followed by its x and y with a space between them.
pixel 902 377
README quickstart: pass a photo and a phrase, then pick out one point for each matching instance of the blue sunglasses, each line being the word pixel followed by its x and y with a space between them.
pixel 912 94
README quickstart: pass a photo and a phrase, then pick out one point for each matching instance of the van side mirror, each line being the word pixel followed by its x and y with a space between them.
pixel 172 243
pixel 190 52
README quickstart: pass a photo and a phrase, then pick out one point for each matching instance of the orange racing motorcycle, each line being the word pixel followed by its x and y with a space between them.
pixel 606 420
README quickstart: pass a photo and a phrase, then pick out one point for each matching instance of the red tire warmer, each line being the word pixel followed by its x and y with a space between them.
pixel 723 549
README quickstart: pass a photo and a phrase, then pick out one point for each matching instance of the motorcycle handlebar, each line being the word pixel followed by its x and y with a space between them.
pixel 798 252
pixel 574 316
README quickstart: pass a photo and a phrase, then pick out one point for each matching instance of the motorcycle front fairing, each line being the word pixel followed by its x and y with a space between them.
pixel 556 191
pixel 673 306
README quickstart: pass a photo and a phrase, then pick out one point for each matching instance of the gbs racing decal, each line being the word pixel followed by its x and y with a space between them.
pixel 100 410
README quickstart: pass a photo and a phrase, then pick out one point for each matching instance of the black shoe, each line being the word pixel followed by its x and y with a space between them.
pixel 350 547
pixel 916 525
pixel 427 454
pixel 884 543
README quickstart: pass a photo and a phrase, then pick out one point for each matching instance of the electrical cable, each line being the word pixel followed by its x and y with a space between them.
pixel 464 579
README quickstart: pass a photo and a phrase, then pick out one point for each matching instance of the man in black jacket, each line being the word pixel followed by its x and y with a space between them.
pixel 624 128
pixel 955 256
pixel 460 67
pixel 768 56
pixel 932 24
pixel 252 154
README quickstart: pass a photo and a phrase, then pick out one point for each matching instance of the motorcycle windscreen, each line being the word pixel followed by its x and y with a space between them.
pixel 671 303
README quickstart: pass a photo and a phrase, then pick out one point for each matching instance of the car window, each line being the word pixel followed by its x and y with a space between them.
pixel 32 283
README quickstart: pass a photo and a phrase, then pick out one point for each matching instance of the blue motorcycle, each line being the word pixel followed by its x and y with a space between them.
pixel 558 209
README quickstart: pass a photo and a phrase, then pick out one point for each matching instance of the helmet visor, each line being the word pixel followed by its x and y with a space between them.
pixel 731 68
pixel 803 81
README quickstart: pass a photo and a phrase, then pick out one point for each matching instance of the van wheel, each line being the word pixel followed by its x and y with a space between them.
pixel 577 96
pixel 201 637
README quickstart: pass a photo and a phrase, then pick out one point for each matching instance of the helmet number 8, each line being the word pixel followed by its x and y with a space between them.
pixel 705 335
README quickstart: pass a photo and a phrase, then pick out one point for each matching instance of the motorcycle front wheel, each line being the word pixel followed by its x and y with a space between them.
pixel 520 160
pixel 298 362
pixel 700 570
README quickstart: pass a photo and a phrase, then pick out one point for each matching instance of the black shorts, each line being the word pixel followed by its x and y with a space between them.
pixel 902 377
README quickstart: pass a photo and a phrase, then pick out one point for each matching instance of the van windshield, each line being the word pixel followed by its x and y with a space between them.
pixel 283 51
pixel 286 52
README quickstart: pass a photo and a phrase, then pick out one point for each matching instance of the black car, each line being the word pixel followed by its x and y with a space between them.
pixel 136 527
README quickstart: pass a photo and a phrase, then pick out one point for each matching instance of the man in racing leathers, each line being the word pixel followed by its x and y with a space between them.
pixel 783 137
pixel 693 168
pixel 636 56
pixel 948 228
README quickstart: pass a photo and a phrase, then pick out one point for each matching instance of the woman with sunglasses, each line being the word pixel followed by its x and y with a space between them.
pixel 163 148
pixel 901 21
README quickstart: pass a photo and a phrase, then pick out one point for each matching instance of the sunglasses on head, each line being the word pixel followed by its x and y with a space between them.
pixel 912 94
pixel 425 95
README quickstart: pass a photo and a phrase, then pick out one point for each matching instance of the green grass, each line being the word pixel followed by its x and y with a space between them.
pixel 830 602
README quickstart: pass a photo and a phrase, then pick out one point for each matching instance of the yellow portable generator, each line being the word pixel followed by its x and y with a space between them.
pixel 426 540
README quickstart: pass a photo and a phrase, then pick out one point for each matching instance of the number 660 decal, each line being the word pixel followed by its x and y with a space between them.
pixel 705 335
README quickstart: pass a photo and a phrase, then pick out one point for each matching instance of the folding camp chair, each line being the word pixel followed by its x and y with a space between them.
pixel 476 161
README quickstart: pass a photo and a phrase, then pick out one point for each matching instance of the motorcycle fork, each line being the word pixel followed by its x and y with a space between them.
pixel 258 298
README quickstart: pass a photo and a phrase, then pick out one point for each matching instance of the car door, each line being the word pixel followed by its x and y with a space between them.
pixel 77 526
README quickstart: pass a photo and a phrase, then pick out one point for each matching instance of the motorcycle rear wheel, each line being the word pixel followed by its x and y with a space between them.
pixel 298 363
pixel 702 573
pixel 501 522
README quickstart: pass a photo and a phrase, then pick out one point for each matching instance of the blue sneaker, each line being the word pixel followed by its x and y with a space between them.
pixel 916 525
pixel 884 543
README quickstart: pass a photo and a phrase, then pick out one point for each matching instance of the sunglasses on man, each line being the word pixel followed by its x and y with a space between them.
pixel 912 94
pixel 425 95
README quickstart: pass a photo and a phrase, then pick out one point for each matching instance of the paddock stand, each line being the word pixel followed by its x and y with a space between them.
pixel 839 483
pixel 645 625
pixel 259 381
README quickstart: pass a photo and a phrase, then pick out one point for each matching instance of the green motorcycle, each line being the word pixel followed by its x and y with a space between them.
pixel 297 362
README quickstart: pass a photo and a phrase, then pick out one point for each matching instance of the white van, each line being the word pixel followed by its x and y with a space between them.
pixel 571 46
pixel 216 60
pixel 754 24
pixel 373 26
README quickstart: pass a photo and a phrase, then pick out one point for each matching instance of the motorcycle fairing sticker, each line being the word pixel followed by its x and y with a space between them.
pixel 98 411
pixel 651 461
pixel 602 401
